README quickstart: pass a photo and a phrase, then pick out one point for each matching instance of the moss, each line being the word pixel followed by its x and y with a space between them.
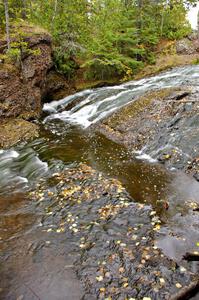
pixel 7 66
pixel 167 62
pixel 15 130
pixel 84 84
pixel 135 108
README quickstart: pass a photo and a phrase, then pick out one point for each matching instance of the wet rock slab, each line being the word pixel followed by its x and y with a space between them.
pixel 163 124
pixel 112 239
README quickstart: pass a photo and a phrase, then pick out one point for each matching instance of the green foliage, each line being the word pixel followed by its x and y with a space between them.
pixel 107 38
pixel 18 49
pixel 64 63
pixel 175 24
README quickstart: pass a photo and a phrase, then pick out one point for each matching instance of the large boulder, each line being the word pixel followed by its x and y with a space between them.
pixel 187 46
pixel 22 87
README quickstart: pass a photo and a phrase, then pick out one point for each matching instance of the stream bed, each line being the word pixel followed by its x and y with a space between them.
pixel 45 182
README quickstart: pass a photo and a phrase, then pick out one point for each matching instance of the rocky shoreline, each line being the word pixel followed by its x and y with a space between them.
pixel 25 82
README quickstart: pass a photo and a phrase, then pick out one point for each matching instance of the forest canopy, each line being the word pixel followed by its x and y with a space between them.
pixel 109 38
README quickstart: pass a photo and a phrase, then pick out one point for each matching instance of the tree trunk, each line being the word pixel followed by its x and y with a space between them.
pixel 7 24
pixel 23 11
pixel 55 10
pixel 140 21
pixel 162 23
pixel 198 25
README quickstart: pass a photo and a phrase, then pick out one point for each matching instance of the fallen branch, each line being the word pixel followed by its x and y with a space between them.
pixel 191 256
pixel 187 292
pixel 183 101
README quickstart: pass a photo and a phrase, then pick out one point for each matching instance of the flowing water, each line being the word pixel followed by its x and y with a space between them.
pixel 65 140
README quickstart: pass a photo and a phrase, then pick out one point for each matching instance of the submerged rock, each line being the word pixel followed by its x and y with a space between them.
pixel 112 238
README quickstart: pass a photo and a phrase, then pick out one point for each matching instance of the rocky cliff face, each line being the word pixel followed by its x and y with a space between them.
pixel 22 88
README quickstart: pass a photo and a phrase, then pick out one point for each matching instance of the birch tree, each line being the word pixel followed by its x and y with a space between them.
pixel 7 24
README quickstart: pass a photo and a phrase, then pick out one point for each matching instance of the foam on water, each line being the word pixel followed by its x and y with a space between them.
pixel 90 106
pixel 144 156
pixel 18 167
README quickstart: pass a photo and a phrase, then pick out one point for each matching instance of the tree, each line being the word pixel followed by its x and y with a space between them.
pixel 107 37
pixel 198 24
pixel 7 24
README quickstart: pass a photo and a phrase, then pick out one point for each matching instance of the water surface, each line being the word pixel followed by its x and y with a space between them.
pixel 65 140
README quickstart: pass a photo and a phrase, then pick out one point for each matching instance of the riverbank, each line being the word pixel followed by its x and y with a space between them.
pixel 29 78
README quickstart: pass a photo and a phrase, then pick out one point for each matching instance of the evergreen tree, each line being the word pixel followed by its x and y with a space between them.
pixel 106 37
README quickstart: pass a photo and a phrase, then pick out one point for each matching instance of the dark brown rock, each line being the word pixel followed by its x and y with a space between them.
pixel 57 87
pixel 22 88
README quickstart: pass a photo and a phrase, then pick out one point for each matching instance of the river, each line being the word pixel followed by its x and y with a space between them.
pixel 67 139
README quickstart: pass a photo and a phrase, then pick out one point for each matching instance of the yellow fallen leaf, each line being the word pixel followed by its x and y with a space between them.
pixel 162 281
pixel 125 284
pixel 157 227
pixel 121 270
pixel 178 285
pixel 99 278
pixel 153 213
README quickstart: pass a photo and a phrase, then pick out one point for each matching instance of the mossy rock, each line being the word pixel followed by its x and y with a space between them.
pixel 16 130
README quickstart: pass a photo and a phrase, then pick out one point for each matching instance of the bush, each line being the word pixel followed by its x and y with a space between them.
pixel 64 62
pixel 102 67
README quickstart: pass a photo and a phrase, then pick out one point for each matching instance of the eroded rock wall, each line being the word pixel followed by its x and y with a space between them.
pixel 22 88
